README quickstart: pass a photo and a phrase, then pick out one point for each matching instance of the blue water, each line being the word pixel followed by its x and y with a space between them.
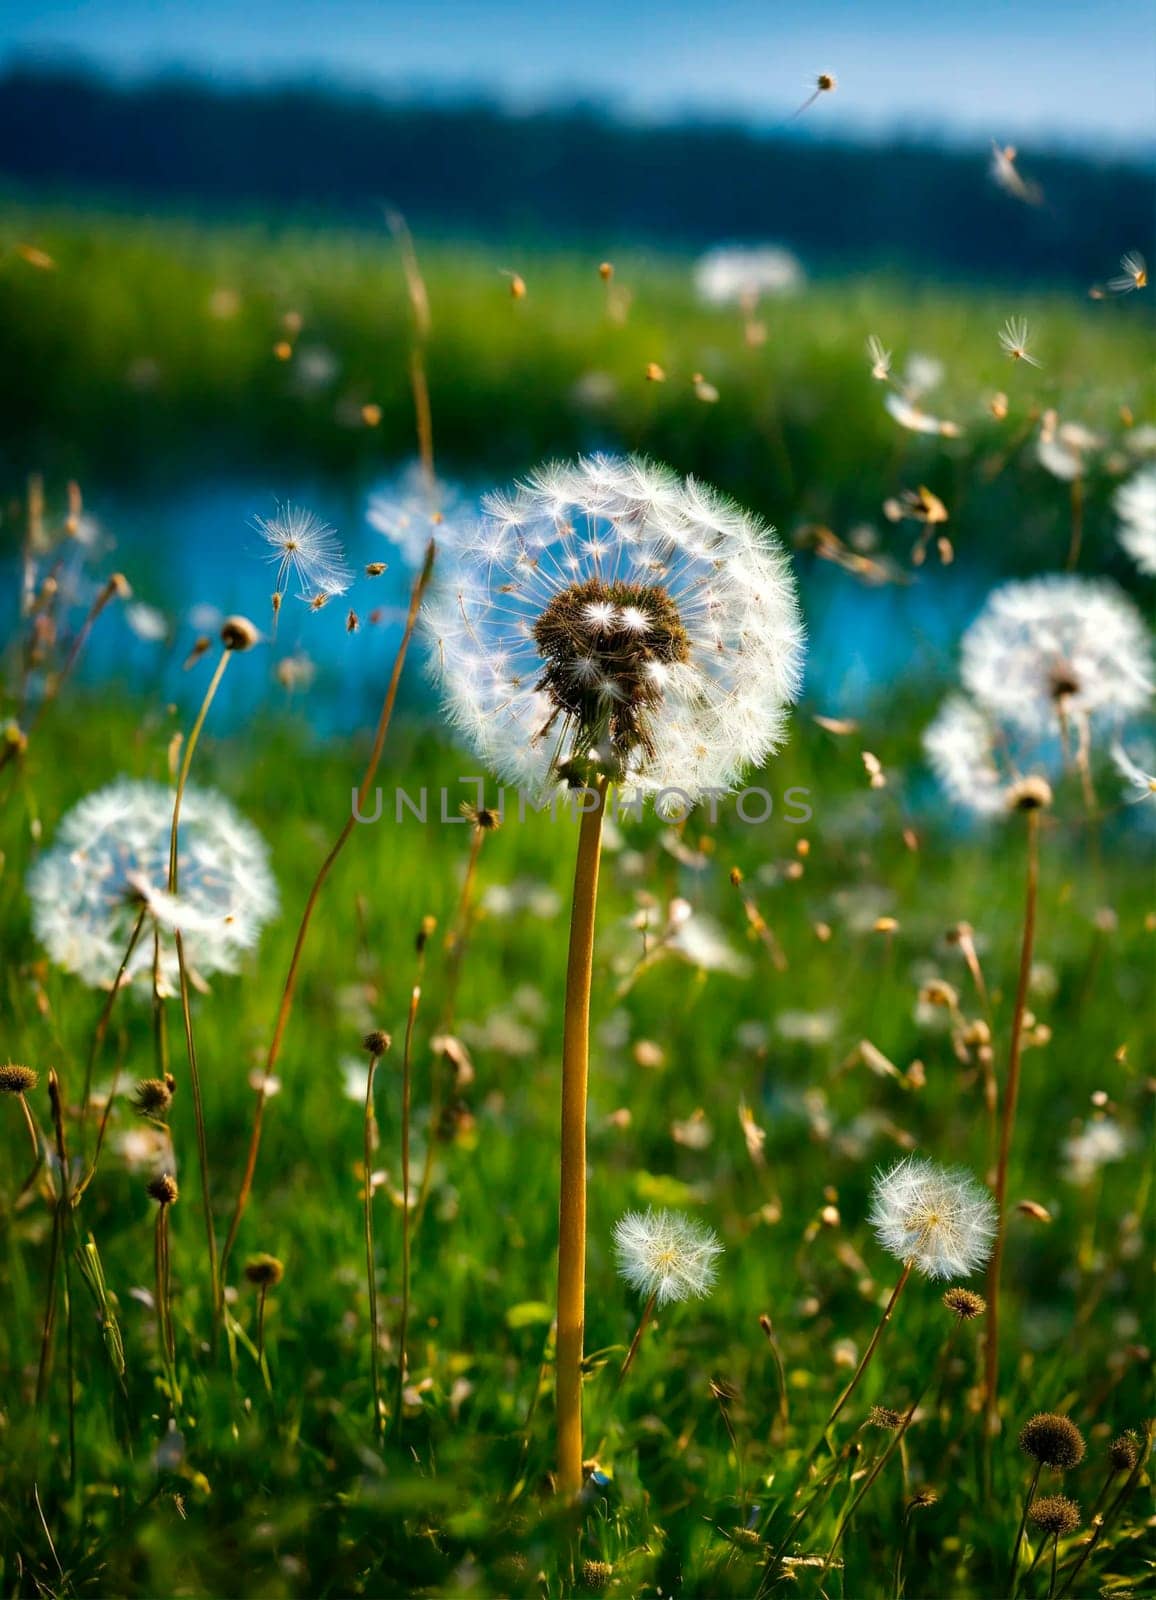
pixel 194 546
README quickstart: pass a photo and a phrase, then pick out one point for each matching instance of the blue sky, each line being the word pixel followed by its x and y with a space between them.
pixel 1012 69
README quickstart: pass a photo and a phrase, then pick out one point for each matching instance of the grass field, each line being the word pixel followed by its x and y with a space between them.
pixel 755 1076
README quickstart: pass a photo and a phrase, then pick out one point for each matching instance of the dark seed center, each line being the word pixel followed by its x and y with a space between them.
pixel 604 645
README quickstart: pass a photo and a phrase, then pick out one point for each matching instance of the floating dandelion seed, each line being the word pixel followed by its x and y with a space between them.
pixel 1063 448
pixel 1013 338
pixel 879 357
pixel 1139 780
pixel 608 616
pixel 110 860
pixel 666 1254
pixel 1057 647
pixel 304 545
pixel 823 83
pixel 910 416
pixel 938 1218
pixel 1135 505
pixel 1006 174
pixel 1133 274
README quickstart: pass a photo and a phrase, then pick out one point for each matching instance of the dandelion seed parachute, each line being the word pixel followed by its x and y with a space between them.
pixel 666 1254
pixel 409 511
pixel 609 614
pixel 111 857
pixel 938 1218
pixel 303 544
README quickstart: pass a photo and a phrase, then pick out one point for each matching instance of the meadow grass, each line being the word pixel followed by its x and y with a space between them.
pixel 268 1476
pixel 289 1485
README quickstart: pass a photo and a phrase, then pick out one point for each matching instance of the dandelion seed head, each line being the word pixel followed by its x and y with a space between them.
pixel 153 1097
pixel 110 860
pixel 938 1218
pixel 17 1080
pixel 1052 1440
pixel 666 1254
pixel 1135 506
pixel 1055 1514
pixel 731 275
pixel 964 1304
pixel 1124 1451
pixel 1057 645
pixel 609 615
pixel 163 1189
pixel 265 1271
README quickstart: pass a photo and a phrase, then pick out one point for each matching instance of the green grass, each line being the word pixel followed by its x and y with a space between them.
pixel 289 1489
pixel 286 1492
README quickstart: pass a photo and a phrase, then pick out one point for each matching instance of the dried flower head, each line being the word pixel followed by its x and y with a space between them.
pixel 884 1417
pixel 1052 1440
pixel 110 859
pixel 1055 1514
pixel 17 1080
pixel 610 617
pixel 1124 1452
pixel 163 1189
pixel 938 1218
pixel 264 1270
pixel 921 1499
pixel 305 547
pixel 666 1254
pixel 596 1576
pixel 238 633
pixel 1029 794
pixel 377 1042
pixel 153 1097
pixel 1056 647
pixel 964 1303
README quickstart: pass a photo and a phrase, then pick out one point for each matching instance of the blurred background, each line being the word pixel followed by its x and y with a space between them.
pixel 207 295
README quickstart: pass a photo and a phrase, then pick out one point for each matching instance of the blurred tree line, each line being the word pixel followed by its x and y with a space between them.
pixel 573 175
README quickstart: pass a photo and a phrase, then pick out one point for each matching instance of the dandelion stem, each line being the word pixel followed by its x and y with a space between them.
pixel 895 1444
pixel 101 1030
pixel 215 1286
pixel 572 1198
pixel 406 1084
pixel 1012 1582
pixel 643 1324
pixel 1007 1122
pixel 326 867
pixel 1077 538
pixel 369 1141
pixel 865 1359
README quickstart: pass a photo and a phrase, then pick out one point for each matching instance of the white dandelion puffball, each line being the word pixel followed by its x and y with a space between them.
pixel 961 748
pixel 303 545
pixel 666 1254
pixel 938 1218
pixel 978 763
pixel 111 857
pixel 1135 503
pixel 609 616
pixel 735 275
pixel 1057 646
